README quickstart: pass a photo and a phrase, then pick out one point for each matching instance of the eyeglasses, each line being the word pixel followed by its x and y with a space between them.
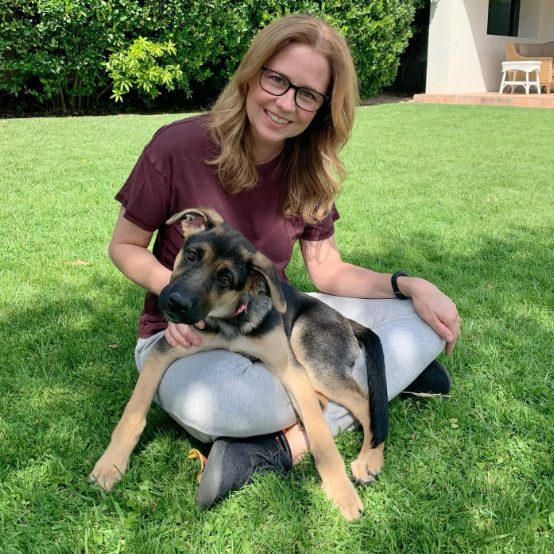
pixel 305 98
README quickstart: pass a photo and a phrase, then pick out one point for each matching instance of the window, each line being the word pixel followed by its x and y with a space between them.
pixel 503 17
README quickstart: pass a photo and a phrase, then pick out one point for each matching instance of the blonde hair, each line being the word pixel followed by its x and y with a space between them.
pixel 312 169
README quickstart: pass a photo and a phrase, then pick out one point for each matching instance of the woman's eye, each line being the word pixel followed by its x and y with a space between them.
pixel 307 95
pixel 278 80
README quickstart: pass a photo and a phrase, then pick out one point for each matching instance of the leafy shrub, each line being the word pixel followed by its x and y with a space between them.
pixel 68 54
pixel 378 33
pixel 139 67
pixel 53 50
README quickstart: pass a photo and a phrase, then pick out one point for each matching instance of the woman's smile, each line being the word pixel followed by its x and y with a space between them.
pixel 273 119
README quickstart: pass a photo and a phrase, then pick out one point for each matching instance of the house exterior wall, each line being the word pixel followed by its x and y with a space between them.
pixel 546 26
pixel 530 20
pixel 461 56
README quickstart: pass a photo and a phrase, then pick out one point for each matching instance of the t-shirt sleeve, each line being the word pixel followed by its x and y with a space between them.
pixel 146 195
pixel 322 230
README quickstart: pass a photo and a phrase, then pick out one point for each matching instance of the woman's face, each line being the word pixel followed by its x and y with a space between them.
pixel 273 119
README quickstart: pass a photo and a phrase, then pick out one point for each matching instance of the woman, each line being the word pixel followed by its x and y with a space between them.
pixel 266 159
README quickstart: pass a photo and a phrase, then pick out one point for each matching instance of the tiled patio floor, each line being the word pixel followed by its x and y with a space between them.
pixel 489 99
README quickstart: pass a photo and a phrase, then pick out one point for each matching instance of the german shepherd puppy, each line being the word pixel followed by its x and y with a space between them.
pixel 220 278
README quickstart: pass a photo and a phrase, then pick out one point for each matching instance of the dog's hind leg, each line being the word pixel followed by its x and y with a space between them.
pixel 330 371
pixel 343 389
pixel 370 460
pixel 369 463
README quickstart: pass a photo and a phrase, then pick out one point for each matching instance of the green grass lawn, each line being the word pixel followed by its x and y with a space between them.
pixel 460 195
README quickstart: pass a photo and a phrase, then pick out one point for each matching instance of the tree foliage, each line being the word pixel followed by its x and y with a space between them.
pixel 141 67
pixel 69 54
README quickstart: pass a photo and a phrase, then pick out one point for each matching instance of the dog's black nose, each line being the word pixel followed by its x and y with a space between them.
pixel 178 303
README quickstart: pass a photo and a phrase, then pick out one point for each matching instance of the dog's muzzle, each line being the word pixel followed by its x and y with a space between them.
pixel 179 307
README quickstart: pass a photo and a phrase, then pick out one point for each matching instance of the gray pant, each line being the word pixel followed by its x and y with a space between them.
pixel 223 394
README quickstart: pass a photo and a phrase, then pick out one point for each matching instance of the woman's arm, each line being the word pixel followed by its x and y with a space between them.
pixel 129 252
pixel 331 275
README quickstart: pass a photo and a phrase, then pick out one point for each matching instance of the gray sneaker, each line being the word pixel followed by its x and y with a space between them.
pixel 232 462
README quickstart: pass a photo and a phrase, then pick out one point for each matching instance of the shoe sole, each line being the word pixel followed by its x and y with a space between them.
pixel 211 477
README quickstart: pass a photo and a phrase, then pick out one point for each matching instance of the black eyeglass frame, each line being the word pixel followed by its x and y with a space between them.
pixel 296 88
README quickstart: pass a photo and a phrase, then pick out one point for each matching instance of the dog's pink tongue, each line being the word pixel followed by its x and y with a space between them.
pixel 241 309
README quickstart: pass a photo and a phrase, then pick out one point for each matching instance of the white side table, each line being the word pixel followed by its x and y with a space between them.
pixel 509 75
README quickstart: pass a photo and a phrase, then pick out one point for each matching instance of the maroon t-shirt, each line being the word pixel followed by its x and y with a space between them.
pixel 171 175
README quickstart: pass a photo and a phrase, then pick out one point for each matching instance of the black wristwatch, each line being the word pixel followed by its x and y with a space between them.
pixel 394 284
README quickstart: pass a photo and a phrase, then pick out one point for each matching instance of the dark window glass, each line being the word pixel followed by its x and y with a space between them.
pixel 503 17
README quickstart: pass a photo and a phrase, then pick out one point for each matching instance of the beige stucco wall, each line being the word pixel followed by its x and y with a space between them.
pixel 461 56
pixel 546 28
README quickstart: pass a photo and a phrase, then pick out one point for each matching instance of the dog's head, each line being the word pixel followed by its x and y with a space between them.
pixel 218 273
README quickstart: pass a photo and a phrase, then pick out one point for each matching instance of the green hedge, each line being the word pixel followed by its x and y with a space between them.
pixel 81 54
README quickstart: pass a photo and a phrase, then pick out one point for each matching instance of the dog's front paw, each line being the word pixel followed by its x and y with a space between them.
pixel 346 499
pixel 367 467
pixel 107 472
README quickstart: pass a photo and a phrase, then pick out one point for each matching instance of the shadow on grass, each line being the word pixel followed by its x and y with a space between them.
pixel 68 370
pixel 71 357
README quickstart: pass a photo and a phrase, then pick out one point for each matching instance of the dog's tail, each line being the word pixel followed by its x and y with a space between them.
pixel 376 380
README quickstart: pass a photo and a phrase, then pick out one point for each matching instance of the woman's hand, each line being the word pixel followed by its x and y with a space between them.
pixel 181 334
pixel 333 276
pixel 434 307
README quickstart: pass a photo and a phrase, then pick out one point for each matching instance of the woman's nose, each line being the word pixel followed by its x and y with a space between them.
pixel 286 101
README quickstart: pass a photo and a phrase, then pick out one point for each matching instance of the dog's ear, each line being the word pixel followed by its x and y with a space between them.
pixel 194 220
pixel 263 264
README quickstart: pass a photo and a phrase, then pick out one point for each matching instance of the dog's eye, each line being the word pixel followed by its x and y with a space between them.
pixel 192 255
pixel 224 279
